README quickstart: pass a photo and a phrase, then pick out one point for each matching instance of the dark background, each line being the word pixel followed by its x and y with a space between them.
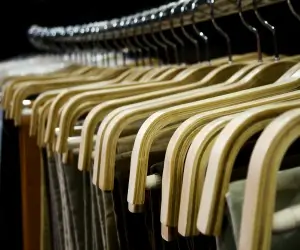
pixel 17 16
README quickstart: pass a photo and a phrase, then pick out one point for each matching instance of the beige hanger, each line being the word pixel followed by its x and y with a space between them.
pixel 125 117
pixel 175 114
pixel 131 76
pixel 97 114
pixel 25 90
pixel 8 90
pixel 111 75
pixel 64 97
pixel 194 157
pixel 167 75
pixel 176 153
pixel 270 148
pixel 86 107
pixel 70 108
pixel 251 122
pixel 194 174
pixel 72 69
pixel 42 122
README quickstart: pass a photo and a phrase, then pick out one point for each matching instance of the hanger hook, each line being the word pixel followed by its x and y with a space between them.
pixel 159 43
pixel 139 48
pixel 219 29
pixel 292 9
pixel 139 23
pixel 194 7
pixel 270 27
pixel 161 16
pixel 183 9
pixel 101 37
pixel 124 46
pixel 252 29
pixel 132 48
pixel 176 37
pixel 115 36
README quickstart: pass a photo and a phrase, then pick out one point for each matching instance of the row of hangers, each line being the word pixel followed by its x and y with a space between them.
pixel 200 115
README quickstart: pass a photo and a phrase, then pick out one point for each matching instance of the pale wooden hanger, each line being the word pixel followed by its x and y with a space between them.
pixel 66 95
pixel 98 96
pixel 252 122
pixel 194 174
pixel 165 76
pixel 97 113
pixel 10 88
pixel 107 159
pixel 70 70
pixel 31 88
pixel 176 153
pixel 184 76
pixel 68 92
pixel 162 118
pixel 270 148
pixel 170 73
pixel 195 154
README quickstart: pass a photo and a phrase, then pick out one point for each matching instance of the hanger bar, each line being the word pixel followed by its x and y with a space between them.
pixel 92 32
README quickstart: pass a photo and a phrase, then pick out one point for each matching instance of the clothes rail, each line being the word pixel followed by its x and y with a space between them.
pixel 152 20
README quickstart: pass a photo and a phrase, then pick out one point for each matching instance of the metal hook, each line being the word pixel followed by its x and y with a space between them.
pixel 132 48
pixel 163 46
pixel 252 29
pixel 123 40
pixel 269 27
pixel 292 9
pixel 100 42
pixel 115 34
pixel 106 45
pixel 146 41
pixel 161 15
pixel 183 9
pixel 176 37
pixel 219 29
pixel 145 46
pixel 140 46
pixel 198 32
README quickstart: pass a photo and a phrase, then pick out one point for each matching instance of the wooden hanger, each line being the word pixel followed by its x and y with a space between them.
pixel 64 97
pixel 25 90
pixel 165 76
pixel 7 81
pixel 114 75
pixel 9 90
pixel 175 114
pixel 97 114
pixel 174 160
pixel 194 174
pixel 194 157
pixel 175 157
pixel 185 74
pixel 252 122
pixel 98 96
pixel 270 148
pixel 71 91
pixel 166 93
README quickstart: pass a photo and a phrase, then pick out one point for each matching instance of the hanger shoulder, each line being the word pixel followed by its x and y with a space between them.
pixel 194 175
pixel 175 114
pixel 257 215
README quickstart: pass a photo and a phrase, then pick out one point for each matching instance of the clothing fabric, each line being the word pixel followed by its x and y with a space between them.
pixel 89 218
pixel 287 195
